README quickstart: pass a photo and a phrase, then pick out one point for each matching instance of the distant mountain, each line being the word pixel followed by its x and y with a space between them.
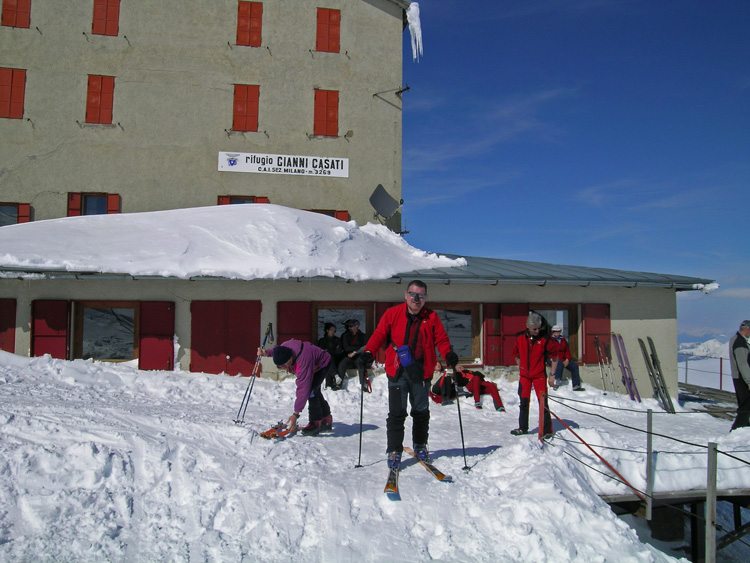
pixel 713 348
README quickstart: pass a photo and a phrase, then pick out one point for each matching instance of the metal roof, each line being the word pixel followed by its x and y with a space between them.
pixel 497 271
pixel 490 271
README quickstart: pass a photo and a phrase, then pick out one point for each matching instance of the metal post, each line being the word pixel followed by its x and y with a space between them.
pixel 711 504
pixel 686 368
pixel 721 374
pixel 649 466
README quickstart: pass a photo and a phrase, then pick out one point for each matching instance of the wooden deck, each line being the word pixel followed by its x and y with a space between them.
pixel 721 404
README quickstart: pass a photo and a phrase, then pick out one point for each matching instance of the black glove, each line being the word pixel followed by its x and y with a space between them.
pixel 451 358
pixel 367 357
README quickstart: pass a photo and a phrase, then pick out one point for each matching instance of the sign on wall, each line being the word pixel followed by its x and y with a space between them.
pixel 263 163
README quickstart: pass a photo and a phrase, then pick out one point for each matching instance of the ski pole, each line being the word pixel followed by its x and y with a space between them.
pixel 360 369
pixel 599 357
pixel 460 422
pixel 250 384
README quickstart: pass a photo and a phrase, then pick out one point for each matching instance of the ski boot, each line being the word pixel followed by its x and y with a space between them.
pixel 394 460
pixel 420 450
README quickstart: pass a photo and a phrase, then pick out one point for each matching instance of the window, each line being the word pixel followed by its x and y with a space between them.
pixel 340 214
pixel 246 101
pixel 92 204
pixel 235 199
pixel 16 13
pixel 327 37
pixel 106 17
pixel 8 325
pixel 249 23
pixel 326 113
pixel 12 92
pixel 337 312
pixel 12 213
pixel 461 322
pixel 565 315
pixel 106 330
pixel 99 99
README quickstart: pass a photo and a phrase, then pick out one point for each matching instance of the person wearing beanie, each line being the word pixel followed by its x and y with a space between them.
pixel 332 344
pixel 311 365
pixel 352 342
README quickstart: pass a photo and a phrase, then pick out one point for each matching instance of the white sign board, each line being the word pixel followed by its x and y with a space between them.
pixel 263 163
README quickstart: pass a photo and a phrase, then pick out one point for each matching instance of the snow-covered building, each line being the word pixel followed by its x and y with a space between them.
pixel 151 115
pixel 109 106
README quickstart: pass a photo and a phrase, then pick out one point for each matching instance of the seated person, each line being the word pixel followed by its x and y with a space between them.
pixel 444 390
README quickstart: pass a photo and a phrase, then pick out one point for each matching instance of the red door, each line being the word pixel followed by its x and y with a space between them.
pixel 8 325
pixel 50 320
pixel 225 336
pixel 156 346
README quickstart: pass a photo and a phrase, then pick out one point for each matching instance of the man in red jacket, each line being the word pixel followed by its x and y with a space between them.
pixel 532 351
pixel 411 333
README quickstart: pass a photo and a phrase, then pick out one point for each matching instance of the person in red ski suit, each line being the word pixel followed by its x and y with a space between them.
pixel 409 331
pixel 474 383
pixel 311 365
pixel 532 352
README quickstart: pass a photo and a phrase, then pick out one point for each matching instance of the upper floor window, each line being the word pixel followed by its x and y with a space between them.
pixel 234 199
pixel 92 204
pixel 245 110
pixel 249 23
pixel 106 17
pixel 340 214
pixel 12 213
pixel 100 99
pixel 12 92
pixel 326 119
pixel 327 37
pixel 16 13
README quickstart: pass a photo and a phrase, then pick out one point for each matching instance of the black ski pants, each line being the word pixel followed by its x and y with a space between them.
pixel 316 404
pixel 742 393
pixel 401 391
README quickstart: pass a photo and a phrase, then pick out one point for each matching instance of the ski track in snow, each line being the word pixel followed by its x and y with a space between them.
pixel 103 462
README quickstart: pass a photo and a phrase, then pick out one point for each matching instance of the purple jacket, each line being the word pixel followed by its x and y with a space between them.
pixel 306 363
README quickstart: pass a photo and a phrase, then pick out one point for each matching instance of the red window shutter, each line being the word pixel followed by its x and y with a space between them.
pixel 50 320
pixel 8 325
pixel 99 99
pixel 156 346
pixel 595 323
pixel 245 113
pixel 74 204
pixel 24 212
pixel 328 31
pixel 341 215
pixel 512 321
pixel 12 92
pixel 16 13
pixel 106 19
pixel 261 199
pixel 208 336
pixel 113 203
pixel 243 336
pixel 326 117
pixel 294 320
pixel 224 200
pixel 249 23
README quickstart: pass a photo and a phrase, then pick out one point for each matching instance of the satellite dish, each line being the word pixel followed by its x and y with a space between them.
pixel 385 206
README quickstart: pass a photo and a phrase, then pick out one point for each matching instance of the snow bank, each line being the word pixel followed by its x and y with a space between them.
pixel 103 462
pixel 261 241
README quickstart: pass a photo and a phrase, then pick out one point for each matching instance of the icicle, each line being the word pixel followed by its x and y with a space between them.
pixel 415 29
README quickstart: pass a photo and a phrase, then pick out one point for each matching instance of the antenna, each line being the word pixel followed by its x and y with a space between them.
pixel 384 204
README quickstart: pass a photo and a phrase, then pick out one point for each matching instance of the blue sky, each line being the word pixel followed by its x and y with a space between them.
pixel 600 133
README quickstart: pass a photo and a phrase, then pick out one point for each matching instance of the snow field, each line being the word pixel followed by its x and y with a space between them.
pixel 103 462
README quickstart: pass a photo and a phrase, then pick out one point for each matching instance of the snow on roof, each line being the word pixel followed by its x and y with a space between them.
pixel 256 241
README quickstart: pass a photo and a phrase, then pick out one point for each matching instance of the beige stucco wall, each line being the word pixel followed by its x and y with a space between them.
pixel 635 312
pixel 175 64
